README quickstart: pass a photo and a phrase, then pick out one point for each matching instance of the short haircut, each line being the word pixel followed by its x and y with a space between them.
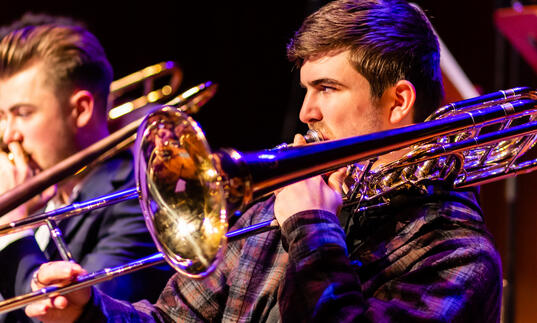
pixel 389 40
pixel 38 19
pixel 73 58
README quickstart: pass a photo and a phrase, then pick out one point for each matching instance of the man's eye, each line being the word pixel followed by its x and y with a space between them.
pixel 326 88
pixel 23 112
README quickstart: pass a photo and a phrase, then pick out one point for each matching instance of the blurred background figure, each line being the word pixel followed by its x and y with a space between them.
pixel 54 86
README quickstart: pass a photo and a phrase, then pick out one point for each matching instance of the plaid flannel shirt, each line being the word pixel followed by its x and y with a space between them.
pixel 429 260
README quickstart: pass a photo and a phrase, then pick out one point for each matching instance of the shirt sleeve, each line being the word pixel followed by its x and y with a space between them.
pixel 448 281
pixel 104 309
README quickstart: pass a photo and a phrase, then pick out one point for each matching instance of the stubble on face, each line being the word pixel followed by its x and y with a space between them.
pixel 338 101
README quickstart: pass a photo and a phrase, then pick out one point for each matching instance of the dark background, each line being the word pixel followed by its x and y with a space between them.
pixel 241 46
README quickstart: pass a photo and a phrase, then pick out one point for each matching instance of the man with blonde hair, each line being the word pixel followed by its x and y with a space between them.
pixel 54 86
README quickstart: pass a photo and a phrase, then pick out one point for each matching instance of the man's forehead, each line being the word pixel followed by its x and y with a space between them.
pixel 32 73
pixel 27 86
pixel 335 67
pixel 328 53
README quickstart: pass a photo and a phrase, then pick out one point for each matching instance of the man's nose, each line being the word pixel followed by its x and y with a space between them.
pixel 310 111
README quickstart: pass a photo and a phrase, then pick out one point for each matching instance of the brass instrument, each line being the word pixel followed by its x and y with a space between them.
pixel 151 85
pixel 187 192
pixel 190 101
pixel 186 205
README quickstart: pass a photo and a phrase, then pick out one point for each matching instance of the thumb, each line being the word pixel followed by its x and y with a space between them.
pixel 299 140
pixel 335 180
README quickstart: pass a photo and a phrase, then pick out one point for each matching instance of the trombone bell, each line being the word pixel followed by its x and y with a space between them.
pixel 182 195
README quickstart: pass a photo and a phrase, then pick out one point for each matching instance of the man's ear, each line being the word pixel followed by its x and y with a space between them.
pixel 82 104
pixel 404 98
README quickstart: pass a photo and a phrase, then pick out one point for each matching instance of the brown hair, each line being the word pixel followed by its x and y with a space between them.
pixel 389 40
pixel 72 56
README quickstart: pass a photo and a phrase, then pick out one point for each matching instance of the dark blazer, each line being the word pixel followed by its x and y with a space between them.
pixel 105 237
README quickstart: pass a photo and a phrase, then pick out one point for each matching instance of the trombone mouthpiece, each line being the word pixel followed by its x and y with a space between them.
pixel 313 136
pixel 310 136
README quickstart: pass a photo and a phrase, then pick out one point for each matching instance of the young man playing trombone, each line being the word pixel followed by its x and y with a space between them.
pixel 366 65
pixel 54 86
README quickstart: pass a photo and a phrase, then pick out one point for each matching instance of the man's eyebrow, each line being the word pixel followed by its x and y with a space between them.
pixel 325 81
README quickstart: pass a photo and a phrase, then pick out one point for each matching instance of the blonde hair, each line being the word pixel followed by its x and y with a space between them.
pixel 72 58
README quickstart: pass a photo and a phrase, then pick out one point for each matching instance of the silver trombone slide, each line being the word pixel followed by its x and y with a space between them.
pixel 81 282
pixel 110 273
pixel 68 211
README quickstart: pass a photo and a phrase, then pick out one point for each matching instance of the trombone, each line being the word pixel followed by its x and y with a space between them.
pixel 187 192
pixel 130 94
